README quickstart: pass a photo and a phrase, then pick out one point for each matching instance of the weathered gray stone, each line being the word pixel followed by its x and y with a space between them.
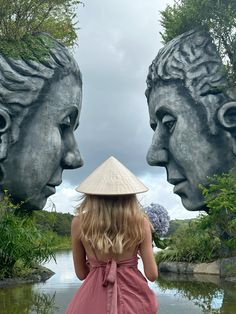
pixel 171 276
pixel 228 267
pixel 225 267
pixel 37 274
pixel 207 268
pixel 40 103
pixel 176 267
pixel 193 114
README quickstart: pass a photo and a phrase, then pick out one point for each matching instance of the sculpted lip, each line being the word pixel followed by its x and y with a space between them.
pixel 179 187
pixel 50 187
pixel 179 184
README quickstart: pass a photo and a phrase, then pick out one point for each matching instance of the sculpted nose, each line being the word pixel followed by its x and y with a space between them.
pixel 157 154
pixel 157 157
pixel 72 159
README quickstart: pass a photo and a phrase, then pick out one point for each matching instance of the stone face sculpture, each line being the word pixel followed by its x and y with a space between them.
pixel 40 103
pixel 193 114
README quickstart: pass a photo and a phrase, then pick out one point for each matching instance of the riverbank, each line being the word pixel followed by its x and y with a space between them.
pixel 224 268
pixel 22 274
pixel 34 275
pixel 180 296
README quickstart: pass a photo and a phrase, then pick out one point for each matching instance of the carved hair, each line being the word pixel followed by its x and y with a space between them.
pixel 23 81
pixel 192 59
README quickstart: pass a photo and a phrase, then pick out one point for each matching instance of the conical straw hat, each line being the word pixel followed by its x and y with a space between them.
pixel 111 178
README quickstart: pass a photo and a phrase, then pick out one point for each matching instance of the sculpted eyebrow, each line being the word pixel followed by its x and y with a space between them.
pixel 162 110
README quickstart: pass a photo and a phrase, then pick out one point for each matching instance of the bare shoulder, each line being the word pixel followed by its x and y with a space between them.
pixel 146 224
pixel 76 221
pixel 75 225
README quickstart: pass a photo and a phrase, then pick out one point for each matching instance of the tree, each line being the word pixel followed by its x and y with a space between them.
pixel 19 18
pixel 216 16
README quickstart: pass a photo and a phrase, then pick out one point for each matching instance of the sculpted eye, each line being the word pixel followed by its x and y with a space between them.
pixel 153 125
pixel 169 122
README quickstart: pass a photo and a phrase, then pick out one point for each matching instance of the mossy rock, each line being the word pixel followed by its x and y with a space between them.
pixel 228 267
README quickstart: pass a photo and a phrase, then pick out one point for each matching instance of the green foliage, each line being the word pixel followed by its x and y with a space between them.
pixel 209 236
pixel 19 18
pixel 52 221
pixel 20 241
pixel 201 293
pixel 160 243
pixel 176 224
pixel 191 244
pixel 59 242
pixel 220 194
pixel 30 47
pixel 18 300
pixel 217 17
pixel 220 197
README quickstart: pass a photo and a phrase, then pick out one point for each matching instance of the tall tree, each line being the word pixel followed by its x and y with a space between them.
pixel 216 16
pixel 19 18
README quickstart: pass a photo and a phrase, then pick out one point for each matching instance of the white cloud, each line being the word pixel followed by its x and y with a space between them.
pixel 65 199
pixel 159 192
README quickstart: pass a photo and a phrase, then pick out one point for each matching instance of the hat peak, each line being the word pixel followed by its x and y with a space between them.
pixel 111 178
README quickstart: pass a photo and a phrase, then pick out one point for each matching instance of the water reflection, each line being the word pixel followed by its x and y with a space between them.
pixel 176 294
pixel 208 292
pixel 24 300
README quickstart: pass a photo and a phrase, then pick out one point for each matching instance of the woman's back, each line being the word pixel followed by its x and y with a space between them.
pixel 92 253
pixel 107 234
pixel 114 285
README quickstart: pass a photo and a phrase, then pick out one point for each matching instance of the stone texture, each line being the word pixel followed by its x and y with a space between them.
pixel 228 267
pixel 176 267
pixel 207 268
pixel 40 103
pixel 193 115
pixel 225 267
pixel 37 274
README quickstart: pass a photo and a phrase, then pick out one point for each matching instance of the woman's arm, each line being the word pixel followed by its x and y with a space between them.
pixel 146 253
pixel 79 254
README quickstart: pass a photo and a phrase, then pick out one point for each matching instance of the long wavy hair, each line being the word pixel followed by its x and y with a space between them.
pixel 111 223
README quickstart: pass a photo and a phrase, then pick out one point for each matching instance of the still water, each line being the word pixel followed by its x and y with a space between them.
pixel 175 294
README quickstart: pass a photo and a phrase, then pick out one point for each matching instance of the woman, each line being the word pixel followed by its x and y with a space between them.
pixel 107 233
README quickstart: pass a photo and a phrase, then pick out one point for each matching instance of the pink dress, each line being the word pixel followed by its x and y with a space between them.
pixel 114 288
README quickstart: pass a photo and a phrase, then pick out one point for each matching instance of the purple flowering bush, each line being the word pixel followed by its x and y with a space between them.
pixel 160 220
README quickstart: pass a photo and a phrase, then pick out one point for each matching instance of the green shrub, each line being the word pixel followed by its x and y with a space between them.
pixel 220 197
pixel 209 236
pixel 20 240
pixel 60 223
pixel 191 244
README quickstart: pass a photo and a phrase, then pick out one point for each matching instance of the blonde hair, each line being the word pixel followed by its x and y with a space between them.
pixel 111 223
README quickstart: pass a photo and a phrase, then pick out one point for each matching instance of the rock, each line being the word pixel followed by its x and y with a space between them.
pixel 231 279
pixel 228 267
pixel 176 267
pixel 38 274
pixel 207 268
pixel 225 267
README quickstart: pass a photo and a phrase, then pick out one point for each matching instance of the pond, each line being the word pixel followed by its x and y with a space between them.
pixel 175 294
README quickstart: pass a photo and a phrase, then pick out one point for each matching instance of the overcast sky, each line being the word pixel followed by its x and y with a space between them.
pixel 118 39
